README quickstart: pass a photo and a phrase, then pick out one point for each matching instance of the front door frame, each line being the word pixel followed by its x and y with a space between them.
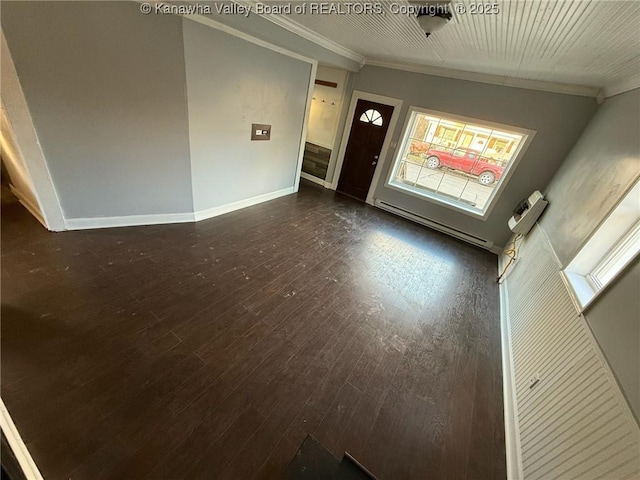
pixel 396 103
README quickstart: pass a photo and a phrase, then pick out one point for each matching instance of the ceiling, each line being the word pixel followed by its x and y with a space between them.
pixel 585 42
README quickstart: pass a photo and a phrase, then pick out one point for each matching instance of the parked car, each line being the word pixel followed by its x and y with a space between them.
pixel 465 160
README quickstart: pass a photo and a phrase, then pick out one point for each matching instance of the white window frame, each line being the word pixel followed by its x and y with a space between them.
pixel 613 246
pixel 441 200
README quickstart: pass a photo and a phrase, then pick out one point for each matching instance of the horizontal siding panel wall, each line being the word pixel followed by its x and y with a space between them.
pixel 574 423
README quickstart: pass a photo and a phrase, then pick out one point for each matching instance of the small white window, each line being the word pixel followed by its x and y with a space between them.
pixel 619 257
pixel 372 116
pixel 462 163
pixel 610 249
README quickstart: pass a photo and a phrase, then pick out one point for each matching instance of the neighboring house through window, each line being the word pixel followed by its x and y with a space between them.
pixel 460 162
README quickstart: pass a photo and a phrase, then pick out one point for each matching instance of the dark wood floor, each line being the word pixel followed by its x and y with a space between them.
pixel 211 350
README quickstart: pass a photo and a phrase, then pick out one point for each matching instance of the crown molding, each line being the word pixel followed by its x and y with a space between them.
pixel 210 22
pixel 598 93
pixel 569 89
pixel 307 34
pixel 617 88
pixel 540 85
pixel 204 20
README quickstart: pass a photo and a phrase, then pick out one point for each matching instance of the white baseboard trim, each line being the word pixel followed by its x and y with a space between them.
pixel 127 221
pixel 29 205
pixel 164 218
pixel 511 429
pixel 313 179
pixel 18 446
pixel 231 207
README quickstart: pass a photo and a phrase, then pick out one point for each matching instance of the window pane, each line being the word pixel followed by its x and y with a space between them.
pixel 460 162
pixel 372 116
pixel 613 246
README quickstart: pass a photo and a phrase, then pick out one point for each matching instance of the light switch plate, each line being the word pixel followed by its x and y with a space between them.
pixel 260 131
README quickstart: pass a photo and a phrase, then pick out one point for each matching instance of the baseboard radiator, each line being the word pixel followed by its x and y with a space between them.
pixel 480 242
pixel 573 420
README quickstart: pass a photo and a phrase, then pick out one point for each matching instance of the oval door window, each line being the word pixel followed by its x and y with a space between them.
pixel 372 116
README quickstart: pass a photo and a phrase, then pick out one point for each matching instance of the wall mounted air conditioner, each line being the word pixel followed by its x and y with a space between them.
pixel 527 212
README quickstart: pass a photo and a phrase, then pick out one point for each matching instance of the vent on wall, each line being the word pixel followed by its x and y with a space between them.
pixel 572 417
pixel 480 242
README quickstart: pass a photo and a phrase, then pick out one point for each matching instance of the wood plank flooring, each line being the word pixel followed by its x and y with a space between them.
pixel 211 350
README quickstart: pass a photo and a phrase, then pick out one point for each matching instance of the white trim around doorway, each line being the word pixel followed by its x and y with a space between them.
pixel 305 124
pixel 396 103
pixel 313 179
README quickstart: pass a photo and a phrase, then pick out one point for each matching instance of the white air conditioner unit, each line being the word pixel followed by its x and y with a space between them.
pixel 527 212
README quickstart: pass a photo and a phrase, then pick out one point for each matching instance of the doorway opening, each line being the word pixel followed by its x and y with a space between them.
pixel 366 140
pixel 368 132
pixel 322 128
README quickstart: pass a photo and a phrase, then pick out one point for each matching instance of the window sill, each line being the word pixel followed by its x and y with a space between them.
pixel 581 291
pixel 619 238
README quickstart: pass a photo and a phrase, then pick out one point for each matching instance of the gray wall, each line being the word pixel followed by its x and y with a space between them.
pixel 558 119
pixel 601 167
pixel 106 89
pixel 263 29
pixel 231 84
pixel 615 321
pixel 604 164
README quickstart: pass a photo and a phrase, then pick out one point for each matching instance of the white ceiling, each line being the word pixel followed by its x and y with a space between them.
pixel 585 42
